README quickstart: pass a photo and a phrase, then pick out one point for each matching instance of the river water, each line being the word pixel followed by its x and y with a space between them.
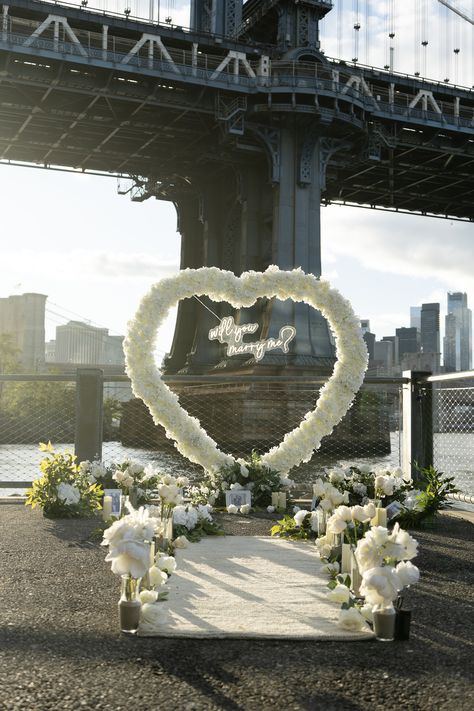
pixel 454 455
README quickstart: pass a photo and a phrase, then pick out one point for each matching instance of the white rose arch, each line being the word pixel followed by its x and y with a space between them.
pixel 190 438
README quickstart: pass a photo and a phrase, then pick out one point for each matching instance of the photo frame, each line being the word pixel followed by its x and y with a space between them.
pixel 393 510
pixel 116 496
pixel 238 497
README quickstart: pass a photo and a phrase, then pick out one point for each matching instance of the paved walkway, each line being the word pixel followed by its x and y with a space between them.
pixel 60 647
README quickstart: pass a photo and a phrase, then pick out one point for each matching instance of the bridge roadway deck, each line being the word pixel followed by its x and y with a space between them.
pixel 95 92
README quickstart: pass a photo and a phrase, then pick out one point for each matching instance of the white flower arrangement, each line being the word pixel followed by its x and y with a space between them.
pixel 191 439
pixel 129 541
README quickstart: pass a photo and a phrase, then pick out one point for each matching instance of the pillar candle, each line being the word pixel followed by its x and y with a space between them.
pixel 321 522
pixel 346 558
pixel 356 578
pixel 107 508
pixel 382 517
pixel 281 500
pixel 275 499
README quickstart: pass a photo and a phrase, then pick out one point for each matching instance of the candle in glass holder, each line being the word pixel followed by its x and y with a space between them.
pixel 107 508
pixel 382 517
pixel 346 558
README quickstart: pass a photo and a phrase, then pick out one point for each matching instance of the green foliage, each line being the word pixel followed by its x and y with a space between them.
pixel 202 528
pixel 39 411
pixel 9 354
pixel 434 487
pixel 287 528
pixel 112 412
pixel 61 468
pixel 260 480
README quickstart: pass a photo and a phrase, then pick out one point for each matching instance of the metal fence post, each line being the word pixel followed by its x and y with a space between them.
pixel 89 407
pixel 417 423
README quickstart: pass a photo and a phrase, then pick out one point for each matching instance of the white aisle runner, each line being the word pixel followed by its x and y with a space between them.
pixel 249 587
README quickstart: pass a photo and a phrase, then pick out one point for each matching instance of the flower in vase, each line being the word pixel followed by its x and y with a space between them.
pixel 166 563
pixel 408 573
pixel 352 619
pixel 68 493
pixel 318 488
pixel 148 596
pixel 324 546
pixel 340 593
pixel 245 509
pixel 380 585
pixel 335 524
pixel 368 554
pixel 370 510
pixel 232 509
pixel 129 557
pixel 406 542
pixel 359 513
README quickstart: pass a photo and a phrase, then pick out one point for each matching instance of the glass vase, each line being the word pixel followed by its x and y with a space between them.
pixel 164 534
pixel 384 623
pixel 356 577
pixel 129 605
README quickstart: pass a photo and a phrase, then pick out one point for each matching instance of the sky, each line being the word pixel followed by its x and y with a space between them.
pixel 94 253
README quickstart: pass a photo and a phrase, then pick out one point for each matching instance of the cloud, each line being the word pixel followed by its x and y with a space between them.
pixel 421 247
pixel 19 266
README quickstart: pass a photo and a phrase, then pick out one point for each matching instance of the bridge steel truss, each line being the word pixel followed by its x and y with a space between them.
pixel 247 138
pixel 99 93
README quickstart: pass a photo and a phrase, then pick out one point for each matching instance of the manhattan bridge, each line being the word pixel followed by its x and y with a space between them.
pixel 245 124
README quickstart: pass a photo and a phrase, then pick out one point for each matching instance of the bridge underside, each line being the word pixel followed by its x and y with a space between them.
pixel 108 121
pixel 245 139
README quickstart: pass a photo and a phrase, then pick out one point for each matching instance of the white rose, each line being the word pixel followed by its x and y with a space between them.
pixel 380 585
pixel 270 509
pixel 151 614
pixel 245 509
pixel 358 513
pixel 300 516
pixel 340 593
pixel 129 557
pixel 326 505
pixel 336 476
pixel 343 512
pixel 68 493
pixel 352 619
pixel 370 510
pixel 408 573
pixel 180 542
pixel 407 542
pixel 236 486
pixel 166 563
pixel 367 612
pixel 118 476
pixel 335 524
pixel 331 568
pixel 148 596
pixel 318 488
pixel 367 555
pixel 232 509
pixel 157 577
pixel 182 481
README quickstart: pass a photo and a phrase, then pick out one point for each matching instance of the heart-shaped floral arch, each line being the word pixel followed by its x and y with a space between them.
pixel 191 439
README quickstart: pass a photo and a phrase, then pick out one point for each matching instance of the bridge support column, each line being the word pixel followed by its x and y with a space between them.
pixel 239 220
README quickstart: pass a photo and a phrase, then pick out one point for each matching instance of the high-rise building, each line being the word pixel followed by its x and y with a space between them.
pixel 395 348
pixel 408 341
pixel 369 339
pixel 415 317
pixel 458 333
pixel 430 340
pixel 83 344
pixel 22 316
pixel 364 325
pixel 383 357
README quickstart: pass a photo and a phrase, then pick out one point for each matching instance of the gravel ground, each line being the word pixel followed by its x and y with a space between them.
pixel 60 647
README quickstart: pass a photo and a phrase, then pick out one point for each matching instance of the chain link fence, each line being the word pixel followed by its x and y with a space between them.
pixel 241 413
pixel 453 428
